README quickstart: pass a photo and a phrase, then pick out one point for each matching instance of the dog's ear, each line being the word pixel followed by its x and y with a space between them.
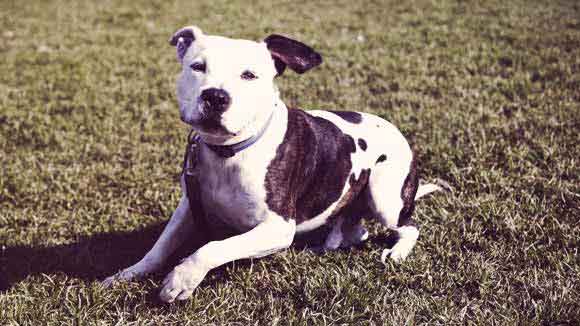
pixel 183 38
pixel 288 52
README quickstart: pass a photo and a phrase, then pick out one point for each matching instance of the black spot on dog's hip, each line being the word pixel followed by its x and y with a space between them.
pixel 362 144
pixel 382 158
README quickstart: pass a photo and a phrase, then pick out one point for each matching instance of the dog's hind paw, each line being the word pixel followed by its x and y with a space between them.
pixel 318 250
pixel 398 253
pixel 355 236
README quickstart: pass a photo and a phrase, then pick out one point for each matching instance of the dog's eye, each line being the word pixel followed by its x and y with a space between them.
pixel 248 75
pixel 198 66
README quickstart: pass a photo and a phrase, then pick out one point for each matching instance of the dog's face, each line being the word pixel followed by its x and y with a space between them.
pixel 226 86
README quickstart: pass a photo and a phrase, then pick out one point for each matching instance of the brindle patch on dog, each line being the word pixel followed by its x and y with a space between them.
pixel 310 168
pixel 408 192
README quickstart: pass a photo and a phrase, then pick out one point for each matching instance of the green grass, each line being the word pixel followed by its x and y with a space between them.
pixel 91 147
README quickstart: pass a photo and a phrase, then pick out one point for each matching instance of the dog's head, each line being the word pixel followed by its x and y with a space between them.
pixel 226 86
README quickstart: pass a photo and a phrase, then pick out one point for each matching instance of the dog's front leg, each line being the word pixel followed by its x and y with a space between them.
pixel 179 227
pixel 270 236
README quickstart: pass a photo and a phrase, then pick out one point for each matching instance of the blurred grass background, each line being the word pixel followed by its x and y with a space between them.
pixel 91 147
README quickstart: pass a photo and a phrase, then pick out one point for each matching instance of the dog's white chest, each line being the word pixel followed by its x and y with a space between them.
pixel 233 195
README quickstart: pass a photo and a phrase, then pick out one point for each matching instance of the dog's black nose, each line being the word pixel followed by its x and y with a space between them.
pixel 215 99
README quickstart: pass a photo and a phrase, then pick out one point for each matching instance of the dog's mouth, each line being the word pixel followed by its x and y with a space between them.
pixel 209 124
pixel 214 126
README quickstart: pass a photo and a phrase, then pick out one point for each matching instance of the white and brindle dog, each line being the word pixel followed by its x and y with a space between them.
pixel 269 172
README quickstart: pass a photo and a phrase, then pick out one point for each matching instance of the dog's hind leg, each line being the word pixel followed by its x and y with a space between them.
pixel 353 233
pixel 336 236
pixel 352 230
pixel 346 231
pixel 393 188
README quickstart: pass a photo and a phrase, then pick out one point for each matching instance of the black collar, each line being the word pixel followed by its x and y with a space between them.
pixel 227 151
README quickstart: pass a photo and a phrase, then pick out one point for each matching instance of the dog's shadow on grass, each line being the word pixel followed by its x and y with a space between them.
pixel 93 258
pixel 90 258
pixel 96 257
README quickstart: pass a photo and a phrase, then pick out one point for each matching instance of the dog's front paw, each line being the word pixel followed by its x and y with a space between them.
pixel 125 275
pixel 180 283
pixel 136 271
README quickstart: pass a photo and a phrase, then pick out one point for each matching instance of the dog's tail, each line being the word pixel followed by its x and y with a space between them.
pixel 426 189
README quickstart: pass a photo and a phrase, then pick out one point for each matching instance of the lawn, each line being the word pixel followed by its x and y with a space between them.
pixel 487 91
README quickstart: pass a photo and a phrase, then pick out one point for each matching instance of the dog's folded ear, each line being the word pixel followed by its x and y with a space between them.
pixel 288 52
pixel 183 38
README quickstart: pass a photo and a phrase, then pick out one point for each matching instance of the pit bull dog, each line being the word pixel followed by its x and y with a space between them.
pixel 269 172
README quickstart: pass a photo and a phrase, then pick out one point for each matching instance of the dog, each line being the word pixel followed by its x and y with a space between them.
pixel 267 172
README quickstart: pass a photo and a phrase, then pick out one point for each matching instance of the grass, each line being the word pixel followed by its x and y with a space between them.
pixel 91 145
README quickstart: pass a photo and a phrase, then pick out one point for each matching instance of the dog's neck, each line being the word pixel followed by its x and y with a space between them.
pixel 227 151
pixel 247 138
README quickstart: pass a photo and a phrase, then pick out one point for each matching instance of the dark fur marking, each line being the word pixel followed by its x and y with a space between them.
pixel 213 124
pixel 382 158
pixel 186 34
pixel 288 52
pixel 192 186
pixel 408 192
pixel 356 188
pixel 362 144
pixel 310 169
pixel 350 116
pixel 222 151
